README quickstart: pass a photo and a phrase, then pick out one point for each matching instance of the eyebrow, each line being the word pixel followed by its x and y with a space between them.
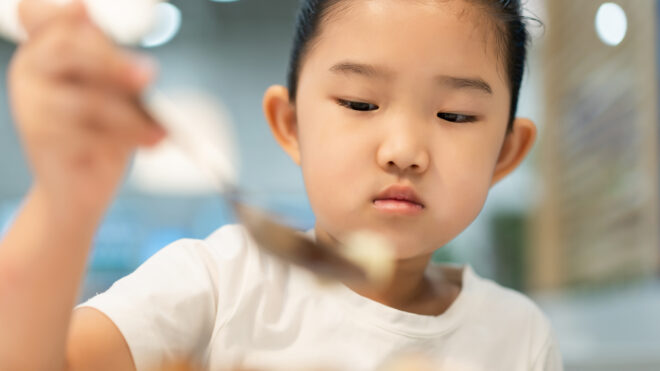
pixel 361 69
pixel 465 83
pixel 371 71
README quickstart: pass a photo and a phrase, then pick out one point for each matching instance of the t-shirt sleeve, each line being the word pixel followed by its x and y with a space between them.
pixel 549 358
pixel 166 309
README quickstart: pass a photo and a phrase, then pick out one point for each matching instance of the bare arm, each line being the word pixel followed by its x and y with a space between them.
pixel 42 261
pixel 74 97
pixel 95 343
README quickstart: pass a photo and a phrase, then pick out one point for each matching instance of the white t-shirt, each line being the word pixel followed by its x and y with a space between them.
pixel 227 304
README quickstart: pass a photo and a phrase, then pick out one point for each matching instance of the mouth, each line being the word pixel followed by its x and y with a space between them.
pixel 398 199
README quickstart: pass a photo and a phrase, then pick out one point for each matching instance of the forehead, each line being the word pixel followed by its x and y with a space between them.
pixel 418 36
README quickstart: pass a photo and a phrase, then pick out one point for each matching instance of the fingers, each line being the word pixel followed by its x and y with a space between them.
pixel 86 82
pixel 65 44
pixel 80 52
pixel 36 14
pixel 113 116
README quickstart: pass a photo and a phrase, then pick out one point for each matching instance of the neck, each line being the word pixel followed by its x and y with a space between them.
pixel 410 289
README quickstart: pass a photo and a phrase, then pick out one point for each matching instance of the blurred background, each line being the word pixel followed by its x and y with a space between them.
pixel 576 227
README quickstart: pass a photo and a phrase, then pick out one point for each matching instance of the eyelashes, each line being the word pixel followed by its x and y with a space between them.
pixel 457 117
pixel 367 107
pixel 357 106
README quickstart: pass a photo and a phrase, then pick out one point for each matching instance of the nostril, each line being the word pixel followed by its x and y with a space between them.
pixel 394 164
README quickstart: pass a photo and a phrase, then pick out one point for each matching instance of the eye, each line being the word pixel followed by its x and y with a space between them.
pixel 357 106
pixel 456 117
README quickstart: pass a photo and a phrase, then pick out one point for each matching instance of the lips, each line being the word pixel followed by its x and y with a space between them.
pixel 400 193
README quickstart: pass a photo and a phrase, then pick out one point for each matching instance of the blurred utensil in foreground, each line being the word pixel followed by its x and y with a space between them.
pixel 366 259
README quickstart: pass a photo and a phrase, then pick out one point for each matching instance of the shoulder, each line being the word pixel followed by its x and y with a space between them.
pixel 513 312
pixel 189 261
pixel 181 296
pixel 232 248
pixel 241 269
pixel 508 304
pixel 228 259
pixel 194 270
pixel 486 302
pixel 229 244
pixel 171 302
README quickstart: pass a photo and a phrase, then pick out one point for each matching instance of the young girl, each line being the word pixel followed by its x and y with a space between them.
pixel 401 115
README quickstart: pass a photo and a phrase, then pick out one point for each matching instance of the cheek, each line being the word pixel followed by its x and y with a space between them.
pixel 334 158
pixel 464 170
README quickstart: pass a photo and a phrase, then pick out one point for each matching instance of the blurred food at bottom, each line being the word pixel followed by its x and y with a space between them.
pixel 404 362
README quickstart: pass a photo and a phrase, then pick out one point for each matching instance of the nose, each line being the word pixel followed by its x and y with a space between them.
pixel 404 150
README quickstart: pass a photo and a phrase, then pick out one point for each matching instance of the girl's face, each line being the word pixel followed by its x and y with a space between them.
pixel 407 94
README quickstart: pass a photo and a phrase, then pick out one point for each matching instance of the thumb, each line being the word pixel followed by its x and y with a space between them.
pixel 36 14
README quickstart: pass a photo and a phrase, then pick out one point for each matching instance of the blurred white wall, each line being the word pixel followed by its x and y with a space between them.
pixel 232 50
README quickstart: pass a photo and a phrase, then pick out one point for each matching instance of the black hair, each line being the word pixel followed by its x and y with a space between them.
pixel 512 38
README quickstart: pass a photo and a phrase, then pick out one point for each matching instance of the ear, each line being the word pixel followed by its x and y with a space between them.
pixel 281 117
pixel 515 148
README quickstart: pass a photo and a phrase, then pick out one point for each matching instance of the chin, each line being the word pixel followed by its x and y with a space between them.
pixel 409 239
pixel 407 242
pixel 413 249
